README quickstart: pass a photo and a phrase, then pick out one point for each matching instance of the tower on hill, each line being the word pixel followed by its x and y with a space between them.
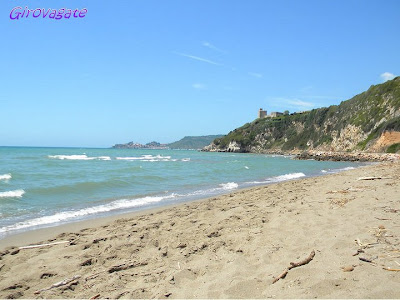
pixel 262 113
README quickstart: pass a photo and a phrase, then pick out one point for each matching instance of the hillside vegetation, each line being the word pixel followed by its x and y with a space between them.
pixel 360 123
pixel 194 142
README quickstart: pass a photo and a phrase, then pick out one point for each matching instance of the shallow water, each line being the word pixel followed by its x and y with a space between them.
pixel 41 187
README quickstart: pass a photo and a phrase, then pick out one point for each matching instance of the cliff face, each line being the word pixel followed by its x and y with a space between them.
pixel 369 122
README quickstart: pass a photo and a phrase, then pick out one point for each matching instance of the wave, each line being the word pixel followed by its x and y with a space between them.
pixel 345 169
pixel 68 215
pixel 78 157
pixel 287 177
pixel 80 187
pixel 229 186
pixel 279 178
pixel 5 177
pixel 152 158
pixel 12 194
pixel 207 192
pixel 113 206
pixel 331 171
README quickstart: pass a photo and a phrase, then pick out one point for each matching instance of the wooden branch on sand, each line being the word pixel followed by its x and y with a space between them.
pixel 58 284
pixel 294 265
pixel 373 178
pixel 390 269
pixel 43 245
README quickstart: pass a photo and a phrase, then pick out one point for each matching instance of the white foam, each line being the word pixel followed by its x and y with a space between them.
pixel 229 186
pixel 287 177
pixel 68 215
pixel 104 158
pixel 12 194
pixel 150 158
pixel 5 177
pixel 346 169
pixel 332 171
pixel 78 157
pixel 279 178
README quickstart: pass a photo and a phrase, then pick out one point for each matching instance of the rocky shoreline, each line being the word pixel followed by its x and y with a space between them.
pixel 325 155
pixel 348 156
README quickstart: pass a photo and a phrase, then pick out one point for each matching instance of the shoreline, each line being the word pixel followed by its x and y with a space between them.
pixel 39 235
pixel 348 156
pixel 355 156
pixel 29 236
pixel 230 246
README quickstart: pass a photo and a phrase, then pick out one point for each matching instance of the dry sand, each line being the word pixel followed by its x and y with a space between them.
pixel 232 246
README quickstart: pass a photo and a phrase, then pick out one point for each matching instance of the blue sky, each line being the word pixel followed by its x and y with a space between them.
pixel 160 70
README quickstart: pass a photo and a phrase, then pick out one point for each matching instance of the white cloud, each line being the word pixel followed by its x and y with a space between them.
pixel 258 75
pixel 212 47
pixel 198 58
pixel 387 76
pixel 199 86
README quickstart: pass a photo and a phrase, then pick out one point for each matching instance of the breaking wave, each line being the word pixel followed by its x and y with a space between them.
pixel 78 157
pixel 113 206
pixel 5 177
pixel 68 215
pixel 279 178
pixel 152 158
pixel 12 194
pixel 331 171
pixel 229 186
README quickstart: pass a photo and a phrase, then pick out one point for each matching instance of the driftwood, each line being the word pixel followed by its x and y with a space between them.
pixel 367 260
pixel 126 266
pixel 43 245
pixel 93 276
pixel 364 246
pixel 294 265
pixel 358 252
pixel 58 284
pixel 373 178
pixel 390 269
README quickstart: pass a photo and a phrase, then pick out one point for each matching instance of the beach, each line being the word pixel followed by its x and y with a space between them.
pixel 229 246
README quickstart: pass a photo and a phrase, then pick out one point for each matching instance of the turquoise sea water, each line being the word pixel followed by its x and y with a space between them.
pixel 41 187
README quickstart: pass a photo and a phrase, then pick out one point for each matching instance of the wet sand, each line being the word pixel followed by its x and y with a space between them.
pixel 231 246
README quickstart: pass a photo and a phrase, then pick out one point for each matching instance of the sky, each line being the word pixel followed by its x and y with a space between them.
pixel 146 70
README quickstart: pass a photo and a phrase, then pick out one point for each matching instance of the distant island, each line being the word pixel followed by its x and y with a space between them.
pixel 132 145
pixel 188 142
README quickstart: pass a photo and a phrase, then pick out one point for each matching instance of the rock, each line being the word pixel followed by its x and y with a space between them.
pixel 348 269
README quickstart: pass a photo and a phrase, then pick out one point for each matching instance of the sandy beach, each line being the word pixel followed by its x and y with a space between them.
pixel 231 246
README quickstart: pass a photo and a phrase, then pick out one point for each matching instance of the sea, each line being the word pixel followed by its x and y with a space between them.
pixel 44 187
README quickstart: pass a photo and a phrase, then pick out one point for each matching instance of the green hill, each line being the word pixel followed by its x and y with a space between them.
pixel 360 123
pixel 194 142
